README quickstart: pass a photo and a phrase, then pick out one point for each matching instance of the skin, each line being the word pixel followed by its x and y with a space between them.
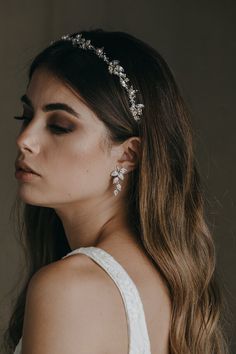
pixel 75 296
pixel 74 167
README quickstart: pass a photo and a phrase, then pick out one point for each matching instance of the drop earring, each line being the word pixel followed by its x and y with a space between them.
pixel 118 175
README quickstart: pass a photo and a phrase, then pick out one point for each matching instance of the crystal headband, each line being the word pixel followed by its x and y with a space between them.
pixel 113 67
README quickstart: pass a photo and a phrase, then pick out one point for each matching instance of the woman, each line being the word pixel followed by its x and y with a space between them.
pixel 120 259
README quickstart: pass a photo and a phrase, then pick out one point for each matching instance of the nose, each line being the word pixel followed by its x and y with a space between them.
pixel 28 140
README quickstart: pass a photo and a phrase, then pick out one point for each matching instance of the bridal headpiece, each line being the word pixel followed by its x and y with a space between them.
pixel 114 68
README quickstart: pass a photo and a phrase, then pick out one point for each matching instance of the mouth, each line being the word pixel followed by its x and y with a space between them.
pixel 25 175
pixel 22 166
pixel 26 171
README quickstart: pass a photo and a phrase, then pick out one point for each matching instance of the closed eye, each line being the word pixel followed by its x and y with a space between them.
pixel 58 129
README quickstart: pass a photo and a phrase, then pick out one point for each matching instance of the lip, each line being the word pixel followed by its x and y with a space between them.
pixel 22 166
pixel 25 175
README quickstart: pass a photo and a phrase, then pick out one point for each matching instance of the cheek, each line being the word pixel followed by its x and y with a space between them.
pixel 80 168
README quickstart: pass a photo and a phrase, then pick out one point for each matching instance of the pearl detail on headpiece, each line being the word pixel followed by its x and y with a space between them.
pixel 113 67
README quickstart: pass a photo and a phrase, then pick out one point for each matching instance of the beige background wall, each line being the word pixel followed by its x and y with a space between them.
pixel 197 39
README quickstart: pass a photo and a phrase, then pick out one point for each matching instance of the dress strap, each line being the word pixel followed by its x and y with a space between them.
pixel 18 347
pixel 139 342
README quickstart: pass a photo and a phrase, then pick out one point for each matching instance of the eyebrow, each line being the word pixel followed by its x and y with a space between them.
pixel 51 106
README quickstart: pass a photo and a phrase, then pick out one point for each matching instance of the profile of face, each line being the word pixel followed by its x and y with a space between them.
pixel 73 163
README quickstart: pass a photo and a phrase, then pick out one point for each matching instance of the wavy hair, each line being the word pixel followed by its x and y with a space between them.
pixel 165 197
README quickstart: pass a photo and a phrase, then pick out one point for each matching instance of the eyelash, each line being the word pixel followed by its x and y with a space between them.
pixel 54 127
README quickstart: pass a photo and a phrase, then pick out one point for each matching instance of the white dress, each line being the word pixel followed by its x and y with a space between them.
pixel 139 342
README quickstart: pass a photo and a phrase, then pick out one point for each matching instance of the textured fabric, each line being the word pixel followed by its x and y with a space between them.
pixel 139 342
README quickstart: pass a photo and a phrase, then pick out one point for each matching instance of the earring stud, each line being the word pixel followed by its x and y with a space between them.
pixel 118 175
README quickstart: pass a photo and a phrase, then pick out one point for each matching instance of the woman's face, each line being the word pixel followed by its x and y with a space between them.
pixel 73 165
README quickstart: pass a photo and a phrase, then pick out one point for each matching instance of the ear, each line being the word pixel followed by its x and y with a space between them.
pixel 131 153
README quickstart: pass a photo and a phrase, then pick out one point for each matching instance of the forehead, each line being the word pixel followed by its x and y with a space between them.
pixel 44 86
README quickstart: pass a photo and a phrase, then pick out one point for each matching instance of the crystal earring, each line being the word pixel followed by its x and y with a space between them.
pixel 118 175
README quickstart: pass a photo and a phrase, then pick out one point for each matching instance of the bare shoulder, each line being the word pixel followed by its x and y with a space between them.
pixel 64 305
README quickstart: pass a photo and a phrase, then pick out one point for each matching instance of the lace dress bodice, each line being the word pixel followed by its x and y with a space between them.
pixel 139 342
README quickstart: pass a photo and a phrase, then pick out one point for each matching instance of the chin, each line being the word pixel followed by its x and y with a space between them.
pixel 27 196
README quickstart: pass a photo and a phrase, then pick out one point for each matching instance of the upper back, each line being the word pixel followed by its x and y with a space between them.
pixel 99 319
pixel 136 306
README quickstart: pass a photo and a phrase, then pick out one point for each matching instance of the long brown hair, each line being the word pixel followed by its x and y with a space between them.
pixel 165 195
